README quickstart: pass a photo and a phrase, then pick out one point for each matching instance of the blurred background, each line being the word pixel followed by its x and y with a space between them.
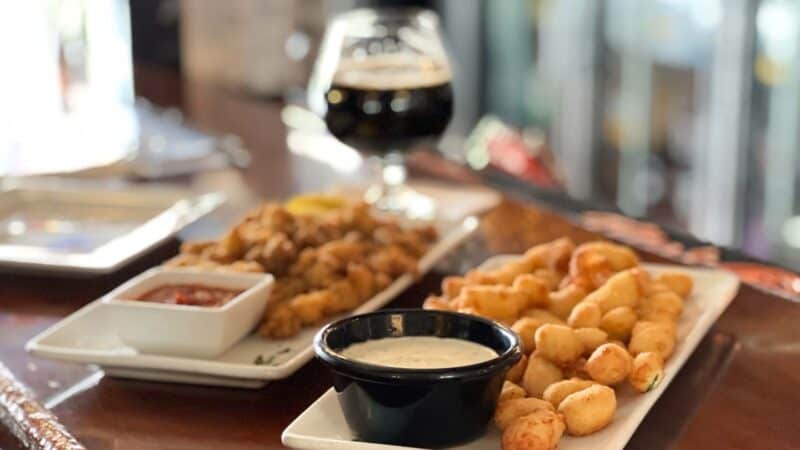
pixel 683 112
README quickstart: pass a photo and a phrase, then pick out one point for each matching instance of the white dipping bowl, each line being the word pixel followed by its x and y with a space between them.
pixel 185 330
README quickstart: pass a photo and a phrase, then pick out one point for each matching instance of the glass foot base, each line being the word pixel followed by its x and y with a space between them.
pixel 402 201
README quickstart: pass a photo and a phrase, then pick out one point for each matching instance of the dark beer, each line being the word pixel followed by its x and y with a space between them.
pixel 383 104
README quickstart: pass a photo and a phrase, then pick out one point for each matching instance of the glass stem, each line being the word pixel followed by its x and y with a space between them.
pixel 393 174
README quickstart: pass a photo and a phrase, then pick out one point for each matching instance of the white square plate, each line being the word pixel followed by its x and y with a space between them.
pixel 90 228
pixel 86 336
pixel 322 425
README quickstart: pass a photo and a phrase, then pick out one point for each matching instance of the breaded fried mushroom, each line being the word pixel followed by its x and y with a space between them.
pixel 609 364
pixel 509 410
pixel 647 372
pixel 526 327
pixel 558 343
pixel 510 391
pixel 539 374
pixel 436 303
pixel 539 430
pixel 678 282
pixel 588 410
pixel 557 392
pixel 514 374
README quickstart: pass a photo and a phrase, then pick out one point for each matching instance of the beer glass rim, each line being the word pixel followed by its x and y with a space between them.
pixel 367 16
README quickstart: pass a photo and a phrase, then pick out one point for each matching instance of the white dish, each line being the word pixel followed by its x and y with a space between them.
pixel 86 336
pixel 322 425
pixel 90 228
pixel 183 330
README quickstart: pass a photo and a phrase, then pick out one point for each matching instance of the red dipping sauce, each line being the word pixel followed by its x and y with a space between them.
pixel 193 295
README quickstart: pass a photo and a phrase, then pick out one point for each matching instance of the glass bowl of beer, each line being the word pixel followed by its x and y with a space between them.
pixel 382 84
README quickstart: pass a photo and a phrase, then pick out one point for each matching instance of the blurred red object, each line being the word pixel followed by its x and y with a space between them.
pixel 522 154
pixel 770 278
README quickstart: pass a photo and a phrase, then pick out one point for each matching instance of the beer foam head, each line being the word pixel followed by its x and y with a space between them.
pixel 391 72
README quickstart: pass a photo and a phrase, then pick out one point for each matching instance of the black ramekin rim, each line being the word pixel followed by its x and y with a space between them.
pixel 378 373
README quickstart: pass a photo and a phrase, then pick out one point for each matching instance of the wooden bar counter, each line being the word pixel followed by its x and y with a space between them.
pixel 739 390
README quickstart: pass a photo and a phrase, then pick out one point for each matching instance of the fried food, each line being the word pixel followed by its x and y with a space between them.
pixel 656 337
pixel 281 322
pixel 514 374
pixel 286 288
pixel 276 255
pixel 497 302
pixel 591 338
pixel 647 372
pixel 543 316
pixel 539 374
pixel 575 369
pixel 585 315
pixel 310 307
pixel 619 257
pixel 661 306
pixel 243 266
pixel 526 327
pixel 655 287
pixel 362 280
pixel 588 410
pixel 510 410
pixel 589 269
pixel 553 255
pixel 436 303
pixel 562 301
pixel 558 343
pixel 196 247
pixel 643 279
pixel 451 286
pixel 550 277
pixel 229 249
pixel 503 276
pixel 322 273
pixel 680 283
pixel 533 288
pixel 609 364
pixel 557 392
pixel 328 257
pixel 622 289
pixel 382 281
pixel 393 261
pixel 344 297
pixel 539 430
pixel 511 391
pixel 588 318
pixel 619 322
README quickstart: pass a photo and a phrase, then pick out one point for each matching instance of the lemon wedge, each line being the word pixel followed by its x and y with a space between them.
pixel 314 204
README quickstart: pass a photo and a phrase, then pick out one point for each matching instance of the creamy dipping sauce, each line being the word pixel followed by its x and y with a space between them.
pixel 419 352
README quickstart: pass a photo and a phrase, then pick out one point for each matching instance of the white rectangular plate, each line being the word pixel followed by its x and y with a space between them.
pixel 86 337
pixel 322 425
pixel 89 228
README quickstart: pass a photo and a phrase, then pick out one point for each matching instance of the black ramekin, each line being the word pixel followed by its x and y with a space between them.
pixel 417 407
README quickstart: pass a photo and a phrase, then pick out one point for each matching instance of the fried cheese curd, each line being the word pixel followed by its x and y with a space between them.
pixel 324 263
pixel 590 319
